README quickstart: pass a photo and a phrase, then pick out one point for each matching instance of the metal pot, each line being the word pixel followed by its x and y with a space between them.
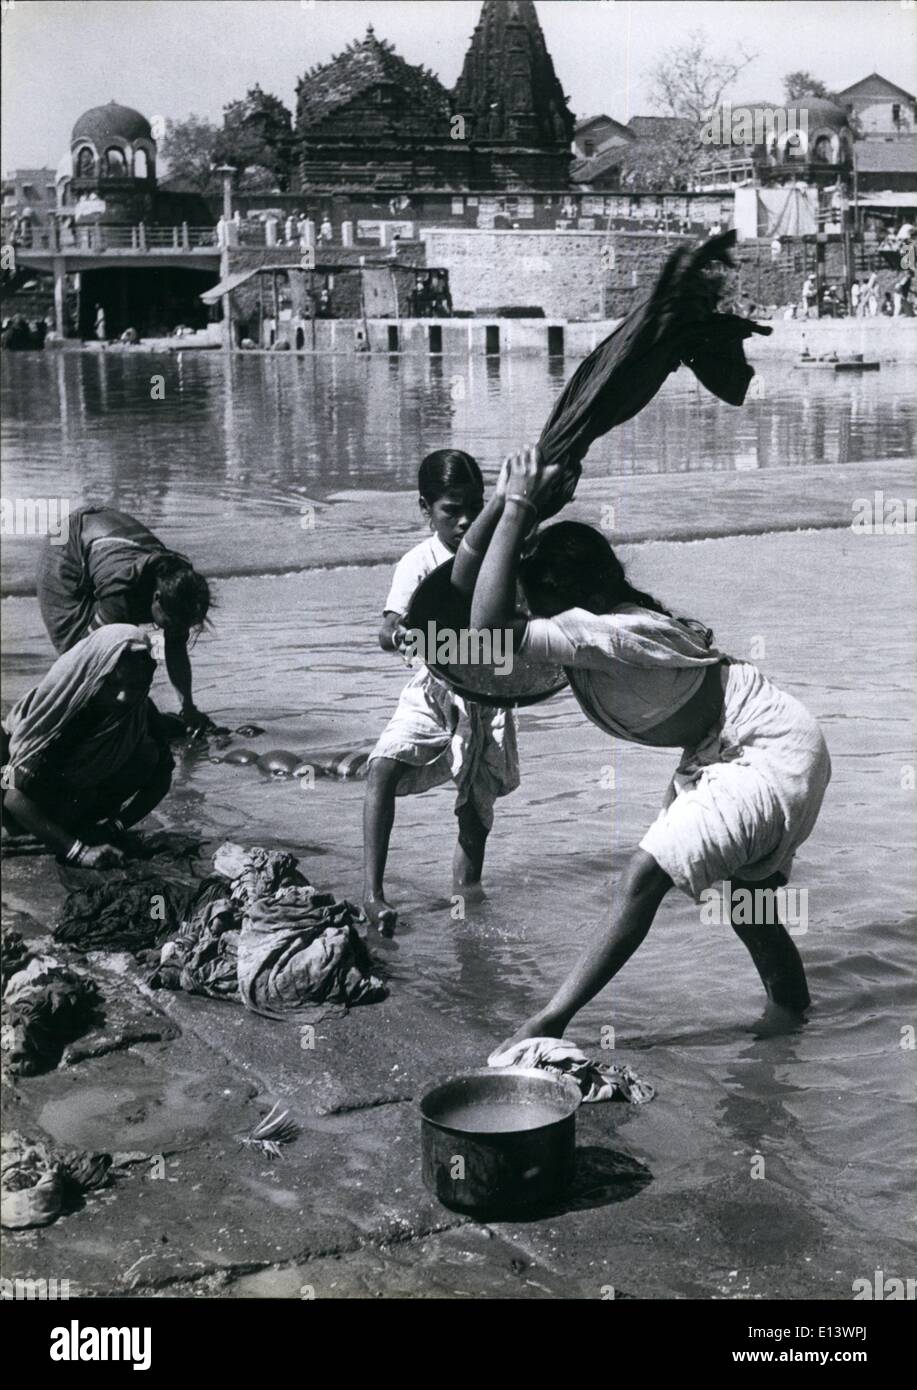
pixel 499 1139
pixel 438 605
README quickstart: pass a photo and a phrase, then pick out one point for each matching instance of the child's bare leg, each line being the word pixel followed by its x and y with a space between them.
pixel 770 945
pixel 378 819
pixel 638 894
pixel 468 861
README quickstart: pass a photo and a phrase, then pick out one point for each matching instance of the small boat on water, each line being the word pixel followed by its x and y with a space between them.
pixel 853 362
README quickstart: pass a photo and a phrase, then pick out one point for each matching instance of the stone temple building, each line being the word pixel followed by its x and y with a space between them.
pixel 369 120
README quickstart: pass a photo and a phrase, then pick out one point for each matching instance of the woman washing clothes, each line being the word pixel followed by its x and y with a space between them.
pixel 83 759
pixel 754 769
pixel 111 569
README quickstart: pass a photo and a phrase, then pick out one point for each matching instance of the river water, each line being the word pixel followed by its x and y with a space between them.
pixel 290 480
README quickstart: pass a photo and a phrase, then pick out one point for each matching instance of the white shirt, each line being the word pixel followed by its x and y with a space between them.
pixel 420 561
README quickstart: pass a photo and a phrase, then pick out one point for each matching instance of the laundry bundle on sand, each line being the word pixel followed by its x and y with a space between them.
pixel 14 955
pixel 38 1183
pixel 201 958
pixel 261 933
pixel 45 1005
pixel 596 1080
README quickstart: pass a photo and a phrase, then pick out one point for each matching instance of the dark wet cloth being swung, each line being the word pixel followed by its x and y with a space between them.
pixel 678 323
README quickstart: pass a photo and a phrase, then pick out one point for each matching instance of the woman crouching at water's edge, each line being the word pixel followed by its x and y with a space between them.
pixel 755 765
pixel 112 569
pixel 83 757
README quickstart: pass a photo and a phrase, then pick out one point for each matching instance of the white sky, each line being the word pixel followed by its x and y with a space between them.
pixel 174 57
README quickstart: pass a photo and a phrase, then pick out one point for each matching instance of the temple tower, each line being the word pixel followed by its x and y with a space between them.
pixel 518 122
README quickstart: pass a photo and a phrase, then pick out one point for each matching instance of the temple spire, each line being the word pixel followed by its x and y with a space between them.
pixel 508 88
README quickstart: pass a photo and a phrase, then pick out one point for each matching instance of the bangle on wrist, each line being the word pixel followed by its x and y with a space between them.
pixel 521 501
pixel 75 852
pixel 470 548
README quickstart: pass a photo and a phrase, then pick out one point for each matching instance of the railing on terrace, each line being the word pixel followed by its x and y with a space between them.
pixel 100 237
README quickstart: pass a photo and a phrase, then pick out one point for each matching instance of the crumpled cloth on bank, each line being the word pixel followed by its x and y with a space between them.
pixel 263 934
pixel 202 957
pixel 14 954
pixel 596 1080
pixel 301 946
pixel 256 872
pixel 38 1183
pixel 45 1005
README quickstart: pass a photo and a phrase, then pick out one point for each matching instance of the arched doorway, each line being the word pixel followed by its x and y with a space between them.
pixel 85 166
pixel 115 163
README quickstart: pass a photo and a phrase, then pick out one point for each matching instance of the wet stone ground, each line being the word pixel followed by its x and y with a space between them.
pixel 170 1084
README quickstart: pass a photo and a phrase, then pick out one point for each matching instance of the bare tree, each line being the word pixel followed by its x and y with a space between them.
pixel 687 83
pixel 689 80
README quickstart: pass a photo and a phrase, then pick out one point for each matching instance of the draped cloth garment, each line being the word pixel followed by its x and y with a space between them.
pixel 748 795
pixel 99 575
pixel 37 725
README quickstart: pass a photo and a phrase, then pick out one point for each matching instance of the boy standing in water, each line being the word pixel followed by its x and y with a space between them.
pixel 436 734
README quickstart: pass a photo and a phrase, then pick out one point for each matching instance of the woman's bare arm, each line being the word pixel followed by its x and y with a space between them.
pixel 530 482
pixel 392 625
pixel 37 822
pixel 493 604
pixel 470 554
pixel 178 667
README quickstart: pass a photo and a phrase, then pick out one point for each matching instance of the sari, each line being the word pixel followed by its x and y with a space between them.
pixel 101 574
pixel 58 752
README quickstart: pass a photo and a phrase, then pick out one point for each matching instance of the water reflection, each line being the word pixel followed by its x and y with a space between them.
pixel 240 434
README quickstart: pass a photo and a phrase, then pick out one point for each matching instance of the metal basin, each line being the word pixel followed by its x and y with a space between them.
pixel 436 603
pixel 499 1139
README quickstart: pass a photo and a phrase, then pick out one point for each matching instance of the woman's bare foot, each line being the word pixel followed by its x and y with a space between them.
pixel 538 1026
pixel 778 1020
pixel 379 914
pixel 468 892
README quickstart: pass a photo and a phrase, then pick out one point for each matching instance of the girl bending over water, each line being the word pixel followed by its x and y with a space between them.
pixel 755 766
pixel 111 569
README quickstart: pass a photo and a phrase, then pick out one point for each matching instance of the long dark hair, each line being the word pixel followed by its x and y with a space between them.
pixel 577 560
pixel 448 470
pixel 184 594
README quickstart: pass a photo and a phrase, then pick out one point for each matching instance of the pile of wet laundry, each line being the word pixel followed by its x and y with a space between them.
pixel 133 908
pixel 259 932
pixel 45 1005
pixel 39 1183
pixel 125 912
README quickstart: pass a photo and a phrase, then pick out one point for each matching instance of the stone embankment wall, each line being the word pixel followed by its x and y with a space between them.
pixel 882 339
pixel 588 275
